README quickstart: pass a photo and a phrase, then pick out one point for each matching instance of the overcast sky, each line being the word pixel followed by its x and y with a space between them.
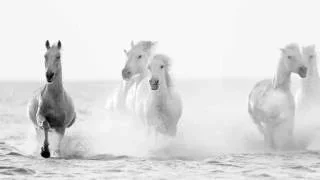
pixel 204 38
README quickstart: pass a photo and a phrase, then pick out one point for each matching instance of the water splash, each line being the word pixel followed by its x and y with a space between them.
pixel 212 123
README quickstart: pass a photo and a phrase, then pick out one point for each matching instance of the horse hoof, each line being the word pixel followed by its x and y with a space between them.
pixel 45 152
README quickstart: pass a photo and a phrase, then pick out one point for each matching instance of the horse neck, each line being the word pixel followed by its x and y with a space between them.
pixel 168 79
pixel 141 76
pixel 55 89
pixel 312 81
pixel 312 72
pixel 126 85
pixel 282 77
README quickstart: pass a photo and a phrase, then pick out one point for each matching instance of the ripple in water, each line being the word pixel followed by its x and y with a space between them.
pixel 9 170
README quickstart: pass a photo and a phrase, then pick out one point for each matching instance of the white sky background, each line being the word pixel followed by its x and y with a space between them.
pixel 204 38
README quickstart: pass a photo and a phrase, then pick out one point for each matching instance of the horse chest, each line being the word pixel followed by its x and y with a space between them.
pixel 158 112
pixel 278 102
pixel 53 114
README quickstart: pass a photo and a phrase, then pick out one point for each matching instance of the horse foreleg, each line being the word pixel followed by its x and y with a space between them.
pixel 45 152
pixel 60 132
pixel 269 137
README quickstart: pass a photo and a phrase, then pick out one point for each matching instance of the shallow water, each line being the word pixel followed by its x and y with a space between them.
pixel 216 139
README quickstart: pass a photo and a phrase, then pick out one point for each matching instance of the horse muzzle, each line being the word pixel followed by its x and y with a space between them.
pixel 154 83
pixel 49 76
pixel 302 71
pixel 126 74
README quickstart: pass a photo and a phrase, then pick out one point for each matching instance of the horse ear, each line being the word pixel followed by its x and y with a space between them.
pixel 47 44
pixel 125 52
pixel 283 51
pixel 59 44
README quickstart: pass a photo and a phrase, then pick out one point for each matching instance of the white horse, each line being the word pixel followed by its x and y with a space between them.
pixel 271 103
pixel 162 105
pixel 308 95
pixel 133 73
pixel 308 99
pixel 52 108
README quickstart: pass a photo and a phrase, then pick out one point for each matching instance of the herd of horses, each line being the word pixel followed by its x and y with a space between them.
pixel 147 92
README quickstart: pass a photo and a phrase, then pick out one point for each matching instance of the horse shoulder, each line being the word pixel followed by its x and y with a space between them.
pixel 69 105
pixel 260 93
pixel 268 100
pixel 174 103
pixel 32 109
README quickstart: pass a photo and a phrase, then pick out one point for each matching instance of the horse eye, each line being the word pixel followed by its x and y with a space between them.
pixel 290 57
pixel 58 57
pixel 311 57
pixel 139 57
pixel 162 66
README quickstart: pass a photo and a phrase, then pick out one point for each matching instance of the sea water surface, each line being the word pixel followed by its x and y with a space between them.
pixel 216 138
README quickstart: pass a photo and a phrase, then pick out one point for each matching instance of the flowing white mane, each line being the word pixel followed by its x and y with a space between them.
pixel 168 62
pixel 292 46
pixel 142 45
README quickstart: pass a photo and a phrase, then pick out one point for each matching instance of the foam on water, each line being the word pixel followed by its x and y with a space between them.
pixel 216 139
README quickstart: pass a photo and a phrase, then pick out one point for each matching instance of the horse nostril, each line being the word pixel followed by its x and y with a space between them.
pixel 154 81
pixel 303 69
pixel 125 73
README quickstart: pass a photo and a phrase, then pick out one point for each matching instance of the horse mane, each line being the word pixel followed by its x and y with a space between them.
pixel 292 46
pixel 309 50
pixel 145 45
pixel 167 61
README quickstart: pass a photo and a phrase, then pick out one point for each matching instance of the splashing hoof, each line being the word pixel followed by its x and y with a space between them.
pixel 45 152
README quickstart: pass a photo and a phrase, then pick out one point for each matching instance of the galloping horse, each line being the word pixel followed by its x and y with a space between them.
pixel 52 108
pixel 271 104
pixel 133 73
pixel 308 95
pixel 162 105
